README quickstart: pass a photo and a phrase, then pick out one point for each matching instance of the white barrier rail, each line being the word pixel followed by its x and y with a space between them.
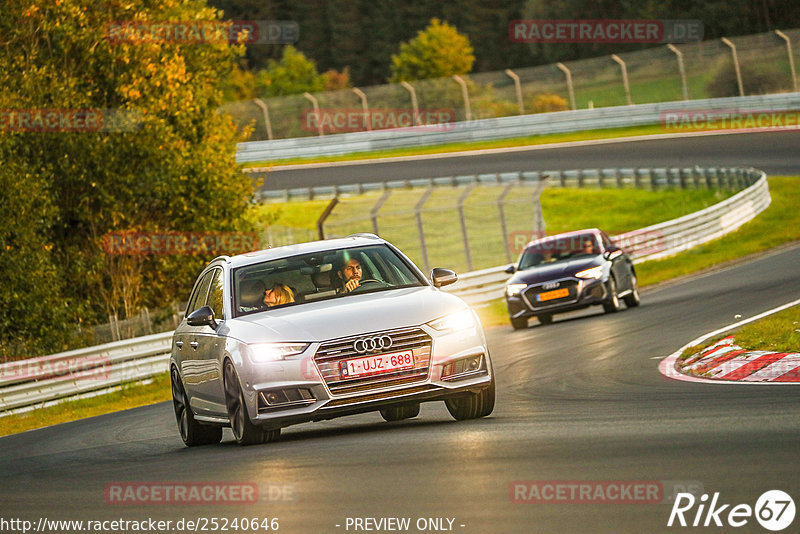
pixel 508 127
pixel 653 242
pixel 37 381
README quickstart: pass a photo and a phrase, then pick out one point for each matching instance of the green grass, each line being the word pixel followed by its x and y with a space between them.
pixel 614 210
pixel 129 396
pixel 777 225
pixel 779 332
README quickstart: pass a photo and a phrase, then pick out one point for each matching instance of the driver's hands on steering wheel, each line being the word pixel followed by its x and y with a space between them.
pixel 351 285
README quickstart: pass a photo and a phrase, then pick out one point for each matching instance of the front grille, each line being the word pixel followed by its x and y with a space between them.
pixel 330 353
pixel 531 294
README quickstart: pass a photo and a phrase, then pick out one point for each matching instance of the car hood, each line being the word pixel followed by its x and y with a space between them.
pixel 554 271
pixel 346 316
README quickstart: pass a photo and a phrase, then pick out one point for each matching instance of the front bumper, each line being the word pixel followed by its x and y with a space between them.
pixel 309 387
pixel 583 293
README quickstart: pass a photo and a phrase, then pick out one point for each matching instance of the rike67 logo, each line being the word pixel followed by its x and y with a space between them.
pixel 774 510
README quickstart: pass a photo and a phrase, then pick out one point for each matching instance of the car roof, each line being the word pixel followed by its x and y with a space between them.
pixel 258 256
pixel 595 231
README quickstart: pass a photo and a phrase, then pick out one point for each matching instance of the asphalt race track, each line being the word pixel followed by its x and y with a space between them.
pixel 579 400
pixel 776 153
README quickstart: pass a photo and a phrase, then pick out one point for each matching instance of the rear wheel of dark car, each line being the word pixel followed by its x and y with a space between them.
pixel 545 318
pixel 632 298
pixel 520 323
pixel 192 432
pixel 472 405
pixel 245 432
pixel 611 304
pixel 398 413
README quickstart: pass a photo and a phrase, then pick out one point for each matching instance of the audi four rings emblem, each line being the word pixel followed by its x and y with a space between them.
pixel 372 344
pixel 550 285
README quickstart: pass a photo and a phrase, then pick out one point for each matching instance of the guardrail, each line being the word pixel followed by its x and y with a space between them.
pixel 26 384
pixel 652 242
pixel 502 128
pixel 639 177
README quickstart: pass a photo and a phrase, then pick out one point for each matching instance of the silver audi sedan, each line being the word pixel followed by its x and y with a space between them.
pixel 319 330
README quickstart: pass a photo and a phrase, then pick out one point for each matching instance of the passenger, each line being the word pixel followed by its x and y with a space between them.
pixel 278 294
pixel 350 275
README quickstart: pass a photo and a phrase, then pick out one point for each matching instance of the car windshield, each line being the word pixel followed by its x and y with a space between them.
pixel 322 275
pixel 557 248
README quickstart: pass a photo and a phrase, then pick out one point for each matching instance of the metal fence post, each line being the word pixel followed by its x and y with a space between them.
pixel 418 214
pixel 465 95
pixel 563 68
pixel 501 211
pixel 625 84
pixel 373 213
pixel 460 206
pixel 538 216
pixel 315 103
pixel 735 65
pixel 325 214
pixel 365 107
pixel 682 70
pixel 265 112
pixel 410 88
pixel 518 89
pixel 791 57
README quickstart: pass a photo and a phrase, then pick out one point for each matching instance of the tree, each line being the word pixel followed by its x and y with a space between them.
pixel 437 51
pixel 293 74
pixel 172 168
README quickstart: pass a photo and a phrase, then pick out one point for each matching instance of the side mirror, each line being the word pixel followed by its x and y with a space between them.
pixel 443 277
pixel 202 317
pixel 511 269
pixel 612 252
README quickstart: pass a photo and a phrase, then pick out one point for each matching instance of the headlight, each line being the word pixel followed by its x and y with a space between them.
pixel 455 321
pixel 594 272
pixel 270 352
pixel 512 290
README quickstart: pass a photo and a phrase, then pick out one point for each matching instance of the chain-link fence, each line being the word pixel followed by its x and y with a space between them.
pixel 483 223
pixel 697 70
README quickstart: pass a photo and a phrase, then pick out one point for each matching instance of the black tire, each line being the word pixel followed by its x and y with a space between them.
pixel 545 318
pixel 632 299
pixel 520 323
pixel 611 305
pixel 472 405
pixel 398 413
pixel 244 431
pixel 192 432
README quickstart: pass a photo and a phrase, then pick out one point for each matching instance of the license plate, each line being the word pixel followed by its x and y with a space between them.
pixel 555 294
pixel 381 363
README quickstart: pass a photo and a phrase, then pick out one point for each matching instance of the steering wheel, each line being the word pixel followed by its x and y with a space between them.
pixel 361 283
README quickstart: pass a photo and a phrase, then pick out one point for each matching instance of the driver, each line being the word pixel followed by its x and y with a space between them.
pixel 350 275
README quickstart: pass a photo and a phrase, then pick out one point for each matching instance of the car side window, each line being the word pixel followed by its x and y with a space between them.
pixel 215 294
pixel 198 297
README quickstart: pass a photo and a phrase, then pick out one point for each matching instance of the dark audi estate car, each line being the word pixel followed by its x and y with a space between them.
pixel 319 330
pixel 568 272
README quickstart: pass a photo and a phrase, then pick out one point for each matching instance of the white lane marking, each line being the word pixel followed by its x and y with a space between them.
pixel 506 150
pixel 667 365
